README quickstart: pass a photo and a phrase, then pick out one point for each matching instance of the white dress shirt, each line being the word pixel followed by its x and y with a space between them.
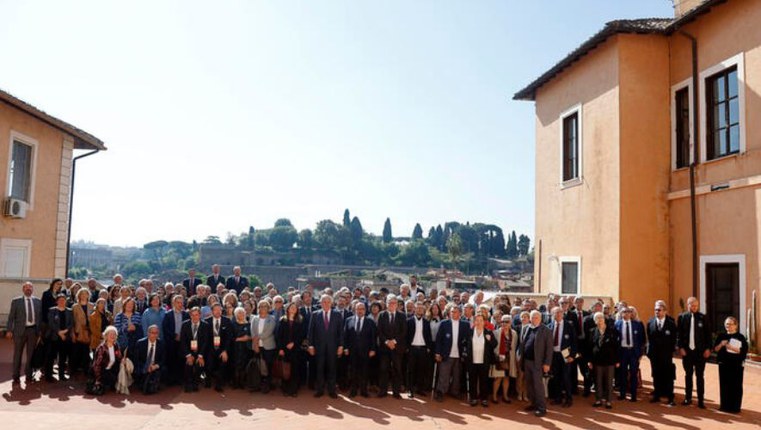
pixel 418 339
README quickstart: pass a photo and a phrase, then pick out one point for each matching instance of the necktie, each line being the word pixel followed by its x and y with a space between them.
pixel 29 314
pixel 660 325
pixel 692 331
pixel 195 331
pixel 557 334
pixel 151 355
pixel 391 320
pixel 325 320
pixel 216 327
pixel 627 342
pixel 581 324
pixel 360 324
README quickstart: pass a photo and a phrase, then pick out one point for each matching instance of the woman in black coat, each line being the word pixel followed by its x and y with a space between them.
pixel 288 338
pixel 605 343
pixel 241 348
pixel 731 349
pixel 479 353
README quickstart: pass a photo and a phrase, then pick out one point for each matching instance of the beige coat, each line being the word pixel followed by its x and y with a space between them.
pixel 513 371
pixel 81 315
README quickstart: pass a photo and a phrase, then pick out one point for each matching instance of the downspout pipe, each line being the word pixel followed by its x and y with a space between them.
pixel 694 161
pixel 71 203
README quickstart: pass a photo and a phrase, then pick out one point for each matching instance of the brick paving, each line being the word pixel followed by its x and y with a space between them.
pixel 64 406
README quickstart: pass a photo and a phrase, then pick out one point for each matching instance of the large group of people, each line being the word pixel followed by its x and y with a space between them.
pixel 222 333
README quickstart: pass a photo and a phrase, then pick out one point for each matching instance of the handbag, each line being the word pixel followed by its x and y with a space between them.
pixel 38 356
pixel 277 369
pixel 286 370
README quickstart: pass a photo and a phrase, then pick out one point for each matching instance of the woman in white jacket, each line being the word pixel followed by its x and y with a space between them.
pixel 506 367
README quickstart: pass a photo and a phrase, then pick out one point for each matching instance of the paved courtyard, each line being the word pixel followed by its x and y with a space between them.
pixel 64 406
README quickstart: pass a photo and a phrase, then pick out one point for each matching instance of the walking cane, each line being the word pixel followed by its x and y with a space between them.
pixel 467 383
pixel 433 384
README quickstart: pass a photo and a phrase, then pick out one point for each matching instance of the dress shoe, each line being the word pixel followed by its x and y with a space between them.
pixel 540 413
pixel 397 396
pixel 485 403
pixel 633 400
pixel 365 394
pixel 218 389
pixel 621 397
pixel 608 405
pixel 50 379
pixel 318 394
pixel 597 404
pixel 473 402
pixel 352 394
pixel 411 395
pixel 671 403
pixel 567 404
pixel 655 400
pixel 556 402
pixel 687 402
pixel 701 405
pixel 438 396
pixel 529 408
pixel 382 395
pixel 333 395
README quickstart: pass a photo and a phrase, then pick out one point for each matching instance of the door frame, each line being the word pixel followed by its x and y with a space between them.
pixel 727 258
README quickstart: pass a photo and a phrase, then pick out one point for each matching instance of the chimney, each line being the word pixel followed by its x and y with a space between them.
pixel 682 7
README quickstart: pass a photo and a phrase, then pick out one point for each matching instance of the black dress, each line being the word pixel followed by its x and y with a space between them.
pixel 731 373
pixel 291 331
pixel 241 353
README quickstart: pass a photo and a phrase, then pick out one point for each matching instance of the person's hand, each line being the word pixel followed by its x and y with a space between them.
pixel 177 338
pixel 371 354
pixel 618 365
pixel 62 334
pixel 590 365
pixel 311 350
pixel 340 351
pixel 706 353
pixel 256 347
pixel 502 358
pixel 189 360
pixel 438 358
pixel 346 352
pixel 200 360
pixel 390 344
pixel 569 360
pixel 9 335
pixel 682 352
pixel 488 337
pixel 281 353
pixel 223 356
pixel 545 368
pixel 290 345
pixel 131 327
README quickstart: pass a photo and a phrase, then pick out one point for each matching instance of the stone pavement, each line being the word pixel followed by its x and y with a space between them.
pixel 64 406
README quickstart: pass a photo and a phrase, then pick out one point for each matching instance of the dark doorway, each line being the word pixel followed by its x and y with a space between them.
pixel 722 293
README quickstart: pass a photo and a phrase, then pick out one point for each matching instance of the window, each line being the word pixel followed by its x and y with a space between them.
pixel 682 128
pixel 15 255
pixel 723 288
pixel 722 109
pixel 571 146
pixel 20 181
pixel 570 275
pixel 723 114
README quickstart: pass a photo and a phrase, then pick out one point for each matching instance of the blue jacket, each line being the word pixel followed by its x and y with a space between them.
pixel 568 339
pixel 444 338
pixel 638 335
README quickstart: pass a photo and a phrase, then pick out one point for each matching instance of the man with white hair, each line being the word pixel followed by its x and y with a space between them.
pixel 392 338
pixel 536 358
pixel 325 345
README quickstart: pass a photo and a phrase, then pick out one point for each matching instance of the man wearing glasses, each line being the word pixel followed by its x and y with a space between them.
pixel 661 332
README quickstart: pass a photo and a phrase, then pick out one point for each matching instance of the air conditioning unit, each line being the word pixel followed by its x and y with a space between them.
pixel 15 208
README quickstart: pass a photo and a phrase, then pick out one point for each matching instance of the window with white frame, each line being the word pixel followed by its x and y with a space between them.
pixel 570 275
pixel 681 125
pixel 722 109
pixel 570 146
pixel 15 258
pixel 21 167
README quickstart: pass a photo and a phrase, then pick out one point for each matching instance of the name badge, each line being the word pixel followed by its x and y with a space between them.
pixel 668 332
pixel 217 341
pixel 567 337
pixel 635 331
pixel 700 324
pixel 448 335
pixel 194 345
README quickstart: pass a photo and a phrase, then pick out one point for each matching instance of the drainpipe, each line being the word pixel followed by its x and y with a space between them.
pixel 694 161
pixel 71 203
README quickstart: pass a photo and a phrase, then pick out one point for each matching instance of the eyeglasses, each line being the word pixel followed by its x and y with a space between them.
pixel 659 310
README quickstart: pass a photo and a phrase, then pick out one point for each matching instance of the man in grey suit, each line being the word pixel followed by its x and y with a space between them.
pixel 23 328
pixel 536 357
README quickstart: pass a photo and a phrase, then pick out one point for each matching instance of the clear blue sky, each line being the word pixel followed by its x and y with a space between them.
pixel 220 115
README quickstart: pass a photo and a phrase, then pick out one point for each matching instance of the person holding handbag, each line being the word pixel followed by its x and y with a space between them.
pixel 505 367
pixel 263 342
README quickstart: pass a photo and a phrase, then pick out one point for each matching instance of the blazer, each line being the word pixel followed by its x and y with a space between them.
pixel 345 313
pixel 96 328
pixel 605 346
pixel 489 343
pixel 542 344
pixel 323 339
pixel 191 287
pixel 140 355
pixel 226 334
pixel 661 343
pixel 568 340
pixel 237 286
pixel 513 370
pixel 576 318
pixel 702 332
pixel 203 337
pixel 81 331
pixel 213 281
pixel 55 324
pixel 638 335
pixel 17 316
pixel 100 360
pixel 168 327
pixel 444 338
pixel 286 333
pixel 396 331
pixel 267 335
pixel 360 342
pixel 427 338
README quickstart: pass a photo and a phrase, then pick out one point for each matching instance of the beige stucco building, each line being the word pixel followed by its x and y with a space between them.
pixel 37 160
pixel 622 125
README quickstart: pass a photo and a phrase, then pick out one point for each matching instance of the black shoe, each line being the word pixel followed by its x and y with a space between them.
pixel 597 404
pixel 633 400
pixel 686 402
pixel 622 397
pixel 671 403
pixel 195 388
pixel 50 379
pixel 556 402
pixel 586 393
pixel 333 395
pixel 438 396
pixel 473 402
pixel 319 394
pixel 655 400
pixel 397 396
pixel 382 394
pixel 411 395
pixel 352 394
pixel 188 389
pixel 567 404
pixel 540 413
pixel 701 405
pixel 608 406
pixel 529 408
pixel 506 400
pixel 364 394
pixel 218 389
pixel 485 403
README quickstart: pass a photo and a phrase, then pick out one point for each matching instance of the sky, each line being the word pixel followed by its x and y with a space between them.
pixel 222 115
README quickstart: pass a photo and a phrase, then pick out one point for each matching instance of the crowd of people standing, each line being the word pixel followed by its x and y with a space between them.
pixel 221 332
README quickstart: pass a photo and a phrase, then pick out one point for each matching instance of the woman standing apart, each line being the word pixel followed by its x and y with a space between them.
pixel 731 349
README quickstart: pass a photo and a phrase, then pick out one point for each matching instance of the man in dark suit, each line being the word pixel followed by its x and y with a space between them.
pixel 215 278
pixel 359 346
pixel 564 349
pixel 420 342
pixel 195 346
pixel 222 334
pixel 236 282
pixel 631 350
pixel 576 318
pixel 23 326
pixel 450 348
pixel 585 347
pixel 191 282
pixel 149 358
pixel 535 354
pixel 324 338
pixel 171 326
pixel 392 340
pixel 694 342
pixel 661 335
pixel 307 361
